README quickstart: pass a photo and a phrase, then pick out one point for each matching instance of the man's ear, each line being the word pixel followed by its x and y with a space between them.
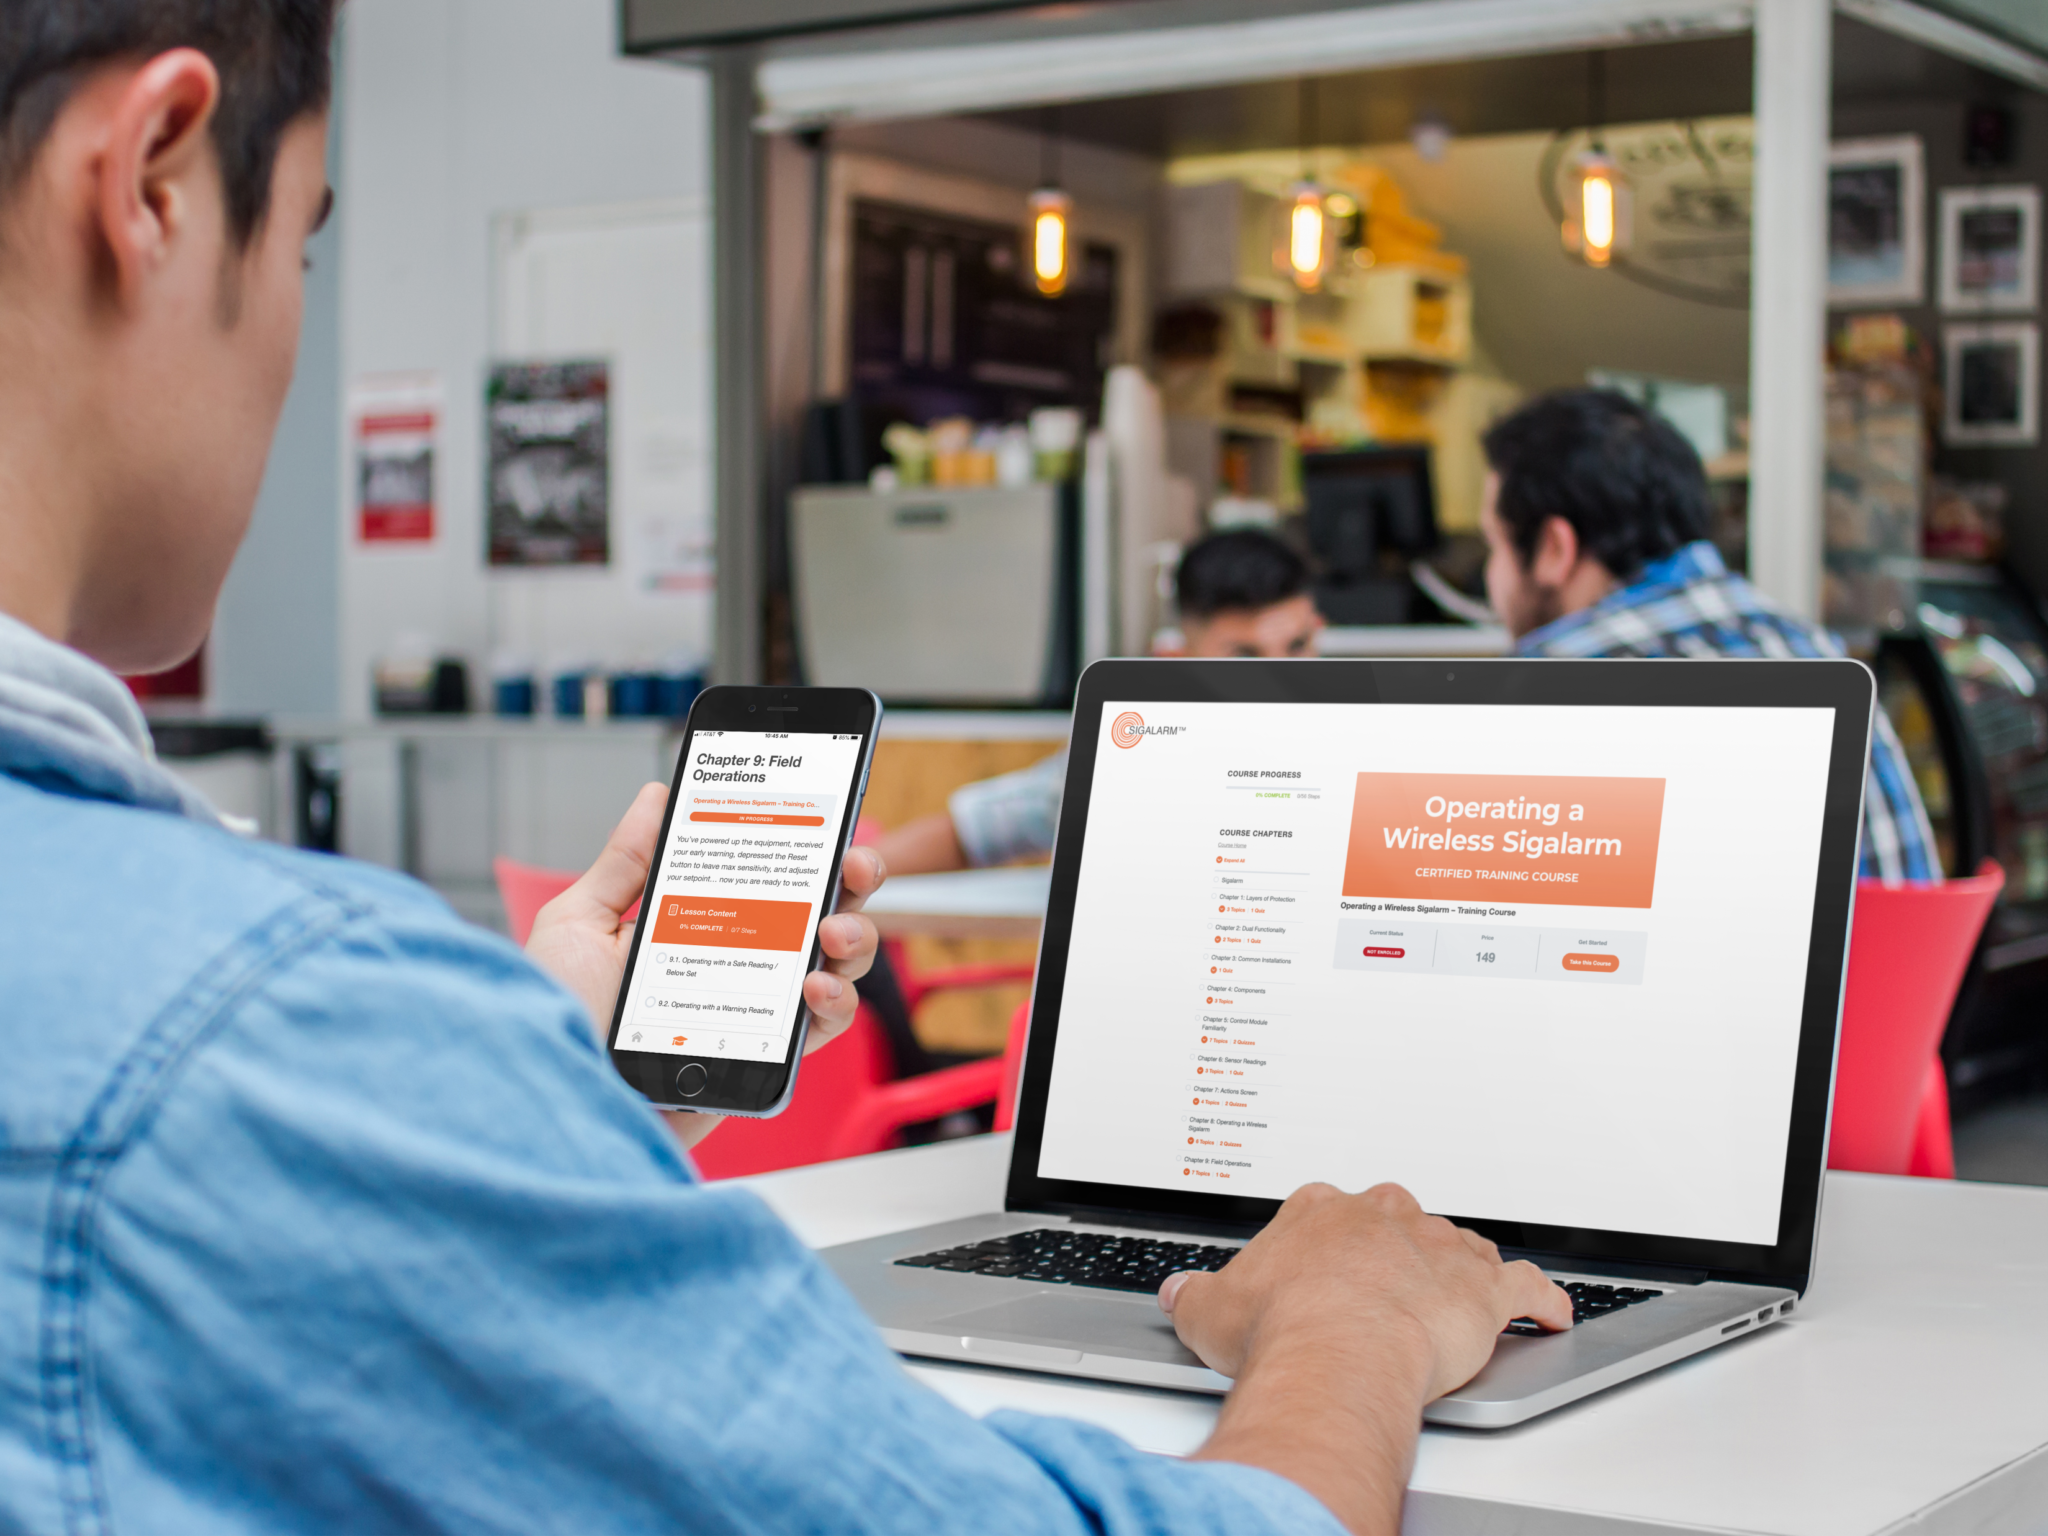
pixel 155 142
pixel 1556 554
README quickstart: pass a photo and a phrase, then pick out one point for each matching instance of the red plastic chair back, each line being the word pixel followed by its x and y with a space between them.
pixel 1908 949
pixel 845 1103
pixel 525 889
pixel 830 1085
pixel 1013 1067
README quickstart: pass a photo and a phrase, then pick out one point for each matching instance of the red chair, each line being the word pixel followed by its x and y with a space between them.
pixel 1908 949
pixel 848 1100
pixel 917 985
pixel 1013 1067
pixel 526 888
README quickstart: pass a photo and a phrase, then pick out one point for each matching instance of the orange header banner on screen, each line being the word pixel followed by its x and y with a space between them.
pixel 1542 839
pixel 721 922
pixel 758 818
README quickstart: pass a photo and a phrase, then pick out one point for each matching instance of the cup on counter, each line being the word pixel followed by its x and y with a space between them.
pixel 632 695
pixel 675 691
pixel 1055 441
pixel 568 694
pixel 1014 463
pixel 514 697
pixel 514 693
pixel 911 450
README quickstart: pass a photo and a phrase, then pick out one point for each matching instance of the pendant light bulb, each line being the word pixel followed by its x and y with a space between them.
pixel 1307 236
pixel 1596 217
pixel 1049 210
pixel 1598 224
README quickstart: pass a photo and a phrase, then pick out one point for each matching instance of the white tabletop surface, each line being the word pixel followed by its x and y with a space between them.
pixel 1907 1396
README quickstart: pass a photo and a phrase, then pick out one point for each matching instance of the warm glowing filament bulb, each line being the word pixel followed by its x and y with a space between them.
pixel 1596 217
pixel 1049 240
pixel 1305 235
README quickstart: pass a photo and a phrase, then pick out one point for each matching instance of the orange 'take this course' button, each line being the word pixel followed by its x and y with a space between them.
pixel 725 923
pixel 1579 960
pixel 759 818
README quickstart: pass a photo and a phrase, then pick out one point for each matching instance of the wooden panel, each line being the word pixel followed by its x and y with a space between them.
pixel 911 779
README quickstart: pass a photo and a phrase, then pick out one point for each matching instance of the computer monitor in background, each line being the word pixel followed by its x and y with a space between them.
pixel 1362 505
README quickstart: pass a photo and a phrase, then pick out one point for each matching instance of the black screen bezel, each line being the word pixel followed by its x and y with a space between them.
pixel 1844 686
pixel 732 1086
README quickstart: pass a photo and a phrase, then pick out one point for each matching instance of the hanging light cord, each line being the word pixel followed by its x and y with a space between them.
pixel 1596 97
pixel 1305 127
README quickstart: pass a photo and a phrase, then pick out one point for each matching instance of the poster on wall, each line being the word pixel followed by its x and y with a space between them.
pixel 1993 384
pixel 548 426
pixel 1877 217
pixel 394 432
pixel 1990 248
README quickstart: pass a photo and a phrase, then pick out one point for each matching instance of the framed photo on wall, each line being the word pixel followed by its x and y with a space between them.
pixel 1990 248
pixel 1877 222
pixel 1992 384
pixel 548 432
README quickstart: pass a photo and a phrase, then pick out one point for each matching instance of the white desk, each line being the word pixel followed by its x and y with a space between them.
pixel 1907 1397
pixel 968 904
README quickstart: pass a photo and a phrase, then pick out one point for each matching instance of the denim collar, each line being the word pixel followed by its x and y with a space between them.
pixel 70 726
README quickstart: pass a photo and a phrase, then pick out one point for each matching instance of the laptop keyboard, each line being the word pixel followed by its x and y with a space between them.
pixel 1106 1259
pixel 1589 1300
pixel 1117 1262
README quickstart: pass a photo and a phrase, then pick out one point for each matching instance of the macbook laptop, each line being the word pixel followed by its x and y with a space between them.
pixel 1558 945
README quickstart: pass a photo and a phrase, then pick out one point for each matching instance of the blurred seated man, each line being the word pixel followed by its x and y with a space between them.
pixel 1596 518
pixel 1240 593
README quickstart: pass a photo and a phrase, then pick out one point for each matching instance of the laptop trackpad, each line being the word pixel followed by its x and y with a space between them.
pixel 1098 1324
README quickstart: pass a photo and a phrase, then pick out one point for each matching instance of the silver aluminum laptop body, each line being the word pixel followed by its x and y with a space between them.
pixel 1700 1298
pixel 1071 1330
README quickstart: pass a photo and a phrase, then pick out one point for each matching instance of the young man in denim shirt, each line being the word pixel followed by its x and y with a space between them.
pixel 321 1210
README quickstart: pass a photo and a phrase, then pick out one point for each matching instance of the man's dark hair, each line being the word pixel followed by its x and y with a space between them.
pixel 1238 569
pixel 1625 479
pixel 272 56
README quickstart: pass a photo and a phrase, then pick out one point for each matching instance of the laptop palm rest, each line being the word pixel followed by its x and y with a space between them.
pixel 1132 1327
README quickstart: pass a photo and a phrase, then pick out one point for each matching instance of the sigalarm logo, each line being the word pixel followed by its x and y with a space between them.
pixel 1129 728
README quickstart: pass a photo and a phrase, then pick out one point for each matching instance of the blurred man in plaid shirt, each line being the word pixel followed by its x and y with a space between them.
pixel 1596 520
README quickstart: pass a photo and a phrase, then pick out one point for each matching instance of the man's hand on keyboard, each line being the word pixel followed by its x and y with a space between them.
pixel 1339 1322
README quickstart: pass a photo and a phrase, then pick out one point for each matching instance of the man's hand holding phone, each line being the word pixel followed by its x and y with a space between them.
pixel 583 937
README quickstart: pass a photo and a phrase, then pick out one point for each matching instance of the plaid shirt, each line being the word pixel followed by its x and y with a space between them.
pixel 1690 604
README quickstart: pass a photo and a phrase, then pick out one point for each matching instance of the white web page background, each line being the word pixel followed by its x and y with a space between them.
pixel 1659 1106
pixel 757 818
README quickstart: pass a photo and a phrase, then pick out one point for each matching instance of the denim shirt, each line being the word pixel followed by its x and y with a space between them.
pixel 322 1210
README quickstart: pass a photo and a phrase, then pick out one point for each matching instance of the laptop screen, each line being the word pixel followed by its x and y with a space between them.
pixel 1538 963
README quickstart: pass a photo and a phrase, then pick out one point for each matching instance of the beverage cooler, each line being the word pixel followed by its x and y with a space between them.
pixel 948 596
pixel 1967 690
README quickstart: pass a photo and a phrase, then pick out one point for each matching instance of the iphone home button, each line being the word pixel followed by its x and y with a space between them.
pixel 690 1081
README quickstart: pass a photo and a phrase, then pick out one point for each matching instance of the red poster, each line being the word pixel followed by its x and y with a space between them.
pixel 395 475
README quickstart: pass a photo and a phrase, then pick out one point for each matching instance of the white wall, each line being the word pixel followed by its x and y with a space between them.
pixel 275 634
pixel 455 111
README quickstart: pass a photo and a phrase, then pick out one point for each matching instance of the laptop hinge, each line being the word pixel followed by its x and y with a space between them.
pixel 1103 1216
